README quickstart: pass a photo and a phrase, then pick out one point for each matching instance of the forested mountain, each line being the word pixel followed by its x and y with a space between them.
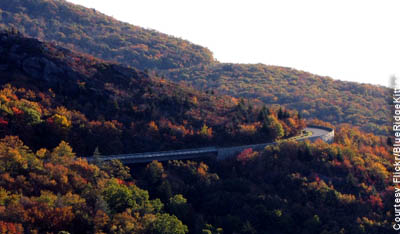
pixel 288 188
pixel 51 94
pixel 51 191
pixel 91 32
pixel 54 102
pixel 313 96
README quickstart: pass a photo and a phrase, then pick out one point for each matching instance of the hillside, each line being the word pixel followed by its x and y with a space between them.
pixel 56 101
pixel 52 191
pixel 313 96
pixel 292 187
pixel 289 188
pixel 51 94
pixel 91 32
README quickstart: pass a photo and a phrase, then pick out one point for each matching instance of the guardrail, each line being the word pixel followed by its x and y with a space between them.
pixel 327 137
pixel 152 155
pixel 320 127
pixel 221 152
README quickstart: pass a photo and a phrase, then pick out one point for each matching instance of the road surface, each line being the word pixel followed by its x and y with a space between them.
pixel 325 134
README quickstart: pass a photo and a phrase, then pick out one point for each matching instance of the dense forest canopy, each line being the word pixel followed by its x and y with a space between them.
pixel 57 104
pixel 293 187
pixel 91 32
pixel 52 191
pixel 51 94
pixel 313 96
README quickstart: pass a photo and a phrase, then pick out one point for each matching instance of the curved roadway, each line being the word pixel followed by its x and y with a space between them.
pixel 197 152
pixel 316 132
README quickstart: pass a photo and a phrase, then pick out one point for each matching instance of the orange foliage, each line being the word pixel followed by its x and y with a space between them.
pixel 17 111
pixel 153 126
pixel 376 201
pixel 249 129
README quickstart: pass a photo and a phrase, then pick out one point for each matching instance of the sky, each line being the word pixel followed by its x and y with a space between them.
pixel 357 40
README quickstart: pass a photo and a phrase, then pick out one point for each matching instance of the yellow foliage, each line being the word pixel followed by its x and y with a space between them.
pixel 61 120
pixel 206 131
pixel 379 170
pixel 61 110
pixel 194 100
pixel 346 198
pixel 41 153
pixel 47 197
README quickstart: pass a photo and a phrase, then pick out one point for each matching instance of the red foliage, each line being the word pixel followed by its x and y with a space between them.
pixel 3 122
pixel 376 201
pixel 11 228
pixel 246 155
pixel 50 121
pixel 119 181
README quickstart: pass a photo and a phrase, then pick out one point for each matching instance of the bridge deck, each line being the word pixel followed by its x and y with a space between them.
pixel 222 152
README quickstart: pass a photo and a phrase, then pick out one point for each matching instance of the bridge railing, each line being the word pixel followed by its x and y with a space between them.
pixel 321 127
pixel 221 151
pixel 156 154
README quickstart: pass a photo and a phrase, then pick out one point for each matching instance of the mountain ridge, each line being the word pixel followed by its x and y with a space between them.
pixel 324 98
pixel 87 30
pixel 57 94
pixel 178 60
pixel 50 95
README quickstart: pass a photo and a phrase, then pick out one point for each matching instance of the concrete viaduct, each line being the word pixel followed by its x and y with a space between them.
pixel 323 133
